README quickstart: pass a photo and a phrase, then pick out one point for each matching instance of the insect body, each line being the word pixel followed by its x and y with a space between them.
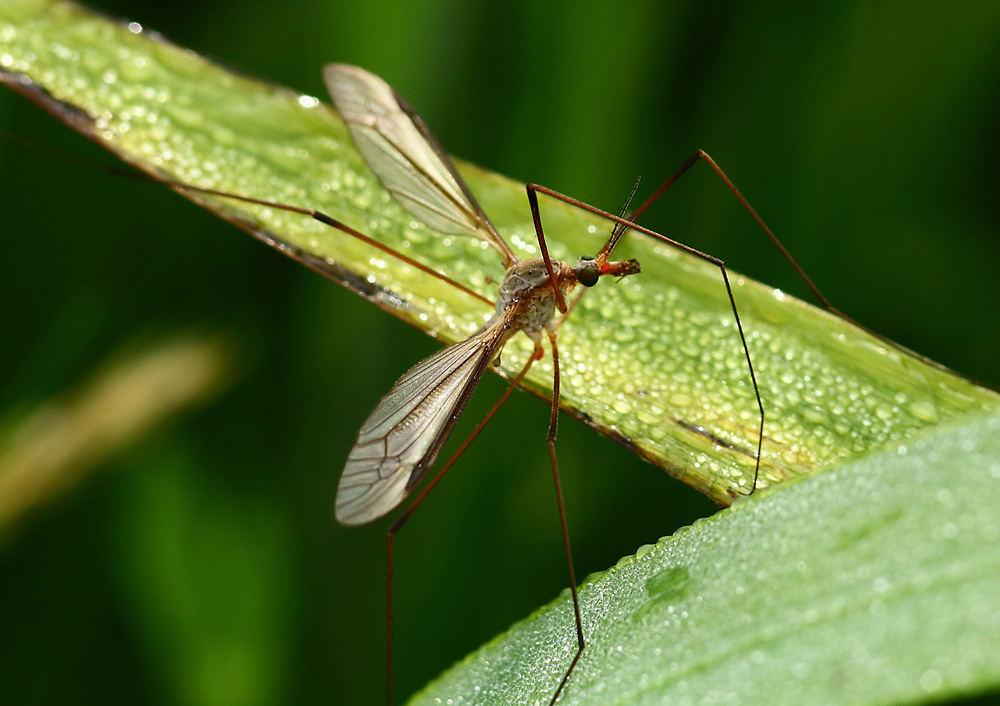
pixel 402 437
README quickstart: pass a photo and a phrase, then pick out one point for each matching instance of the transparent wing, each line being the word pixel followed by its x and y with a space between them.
pixel 406 157
pixel 402 436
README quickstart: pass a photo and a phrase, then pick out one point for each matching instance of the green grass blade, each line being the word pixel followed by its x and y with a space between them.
pixel 54 446
pixel 653 362
pixel 872 583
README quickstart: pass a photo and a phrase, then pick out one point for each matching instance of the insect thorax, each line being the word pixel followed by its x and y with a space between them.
pixel 527 297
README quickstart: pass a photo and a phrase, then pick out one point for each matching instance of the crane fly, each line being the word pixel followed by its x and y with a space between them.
pixel 401 438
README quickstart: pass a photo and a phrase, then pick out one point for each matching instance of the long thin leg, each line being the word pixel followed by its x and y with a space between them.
pixel 551 440
pixel 702 156
pixel 534 189
pixel 536 217
pixel 311 213
pixel 617 232
pixel 397 525
pixel 334 223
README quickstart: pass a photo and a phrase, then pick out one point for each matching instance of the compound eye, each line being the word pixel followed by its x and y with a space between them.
pixel 588 273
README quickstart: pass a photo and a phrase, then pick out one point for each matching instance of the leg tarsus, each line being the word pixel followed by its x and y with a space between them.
pixel 551 441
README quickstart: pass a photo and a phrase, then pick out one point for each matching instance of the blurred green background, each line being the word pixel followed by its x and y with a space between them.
pixel 203 565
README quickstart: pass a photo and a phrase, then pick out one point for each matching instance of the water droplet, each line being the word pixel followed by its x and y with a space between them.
pixel 930 681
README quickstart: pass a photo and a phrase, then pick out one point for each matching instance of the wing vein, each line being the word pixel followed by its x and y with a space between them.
pixel 402 436
pixel 407 158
